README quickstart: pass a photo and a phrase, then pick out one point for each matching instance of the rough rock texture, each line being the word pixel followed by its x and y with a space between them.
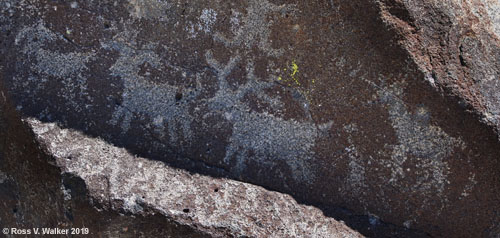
pixel 216 206
pixel 34 192
pixel 61 178
pixel 333 102
pixel 456 44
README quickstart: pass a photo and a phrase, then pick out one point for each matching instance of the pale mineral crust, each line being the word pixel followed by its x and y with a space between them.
pixel 256 117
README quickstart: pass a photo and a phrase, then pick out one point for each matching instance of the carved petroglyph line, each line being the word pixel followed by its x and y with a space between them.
pixel 356 180
pixel 205 23
pixel 207 20
pixel 226 96
pixel 67 68
pixel 221 97
pixel 255 30
pixel 428 144
pixel 141 97
pixel 260 136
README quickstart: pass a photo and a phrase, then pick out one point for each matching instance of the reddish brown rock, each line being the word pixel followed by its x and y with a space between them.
pixel 59 178
pixel 360 105
pixel 456 44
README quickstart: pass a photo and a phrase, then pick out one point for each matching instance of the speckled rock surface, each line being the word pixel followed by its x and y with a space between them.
pixel 53 177
pixel 352 104
pixel 220 207
pixel 35 193
pixel 457 45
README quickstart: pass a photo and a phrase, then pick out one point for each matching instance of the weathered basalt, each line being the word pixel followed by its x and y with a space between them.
pixel 35 193
pixel 341 104
pixel 456 44
pixel 59 178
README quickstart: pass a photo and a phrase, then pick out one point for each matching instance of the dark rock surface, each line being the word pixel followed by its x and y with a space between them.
pixel 457 45
pixel 363 105
pixel 60 178
pixel 34 192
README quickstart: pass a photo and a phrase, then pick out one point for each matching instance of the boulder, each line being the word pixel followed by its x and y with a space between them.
pixel 456 45
pixel 60 178
pixel 382 113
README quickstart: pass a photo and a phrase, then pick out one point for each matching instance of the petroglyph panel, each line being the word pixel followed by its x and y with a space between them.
pixel 315 99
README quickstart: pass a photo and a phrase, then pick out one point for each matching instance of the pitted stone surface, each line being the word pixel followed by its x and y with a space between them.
pixel 332 102
pixel 120 180
pixel 456 44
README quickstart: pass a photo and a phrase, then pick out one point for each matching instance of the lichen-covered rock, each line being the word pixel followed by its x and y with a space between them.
pixel 333 102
